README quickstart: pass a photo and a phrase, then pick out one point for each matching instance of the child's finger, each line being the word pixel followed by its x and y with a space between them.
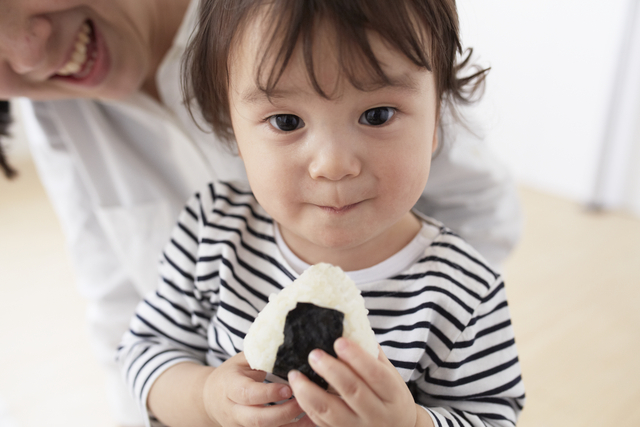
pixel 302 422
pixel 248 392
pixel 349 385
pixel 379 374
pixel 276 415
pixel 323 408
pixel 247 387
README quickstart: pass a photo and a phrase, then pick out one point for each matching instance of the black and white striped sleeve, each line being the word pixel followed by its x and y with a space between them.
pixel 479 383
pixel 170 325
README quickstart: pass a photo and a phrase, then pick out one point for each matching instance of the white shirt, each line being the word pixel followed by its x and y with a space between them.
pixel 119 172
pixel 389 267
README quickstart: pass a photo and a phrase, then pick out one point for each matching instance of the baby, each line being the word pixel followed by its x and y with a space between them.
pixel 333 106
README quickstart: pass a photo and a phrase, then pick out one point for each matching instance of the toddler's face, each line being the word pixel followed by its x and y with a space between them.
pixel 337 174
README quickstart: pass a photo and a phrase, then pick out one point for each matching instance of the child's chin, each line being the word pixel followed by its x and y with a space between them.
pixel 341 239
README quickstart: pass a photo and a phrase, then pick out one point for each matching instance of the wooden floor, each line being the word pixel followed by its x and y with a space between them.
pixel 574 288
pixel 573 285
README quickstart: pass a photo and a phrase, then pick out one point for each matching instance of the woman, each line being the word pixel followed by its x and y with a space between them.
pixel 119 154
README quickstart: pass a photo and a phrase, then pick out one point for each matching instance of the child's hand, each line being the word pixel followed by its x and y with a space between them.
pixel 372 391
pixel 235 395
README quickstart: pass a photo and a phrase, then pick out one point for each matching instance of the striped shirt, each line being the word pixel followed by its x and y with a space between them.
pixel 443 321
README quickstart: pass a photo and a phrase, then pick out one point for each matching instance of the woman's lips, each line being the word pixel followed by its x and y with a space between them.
pixel 82 57
pixel 88 61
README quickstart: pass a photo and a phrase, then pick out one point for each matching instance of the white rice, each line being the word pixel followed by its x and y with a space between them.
pixel 323 285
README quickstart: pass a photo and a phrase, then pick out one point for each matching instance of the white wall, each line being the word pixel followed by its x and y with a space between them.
pixel 618 184
pixel 553 66
pixel 631 194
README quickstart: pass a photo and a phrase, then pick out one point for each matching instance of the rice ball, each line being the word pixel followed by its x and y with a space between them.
pixel 330 297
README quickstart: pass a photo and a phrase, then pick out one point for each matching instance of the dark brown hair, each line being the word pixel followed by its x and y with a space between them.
pixel 5 121
pixel 425 31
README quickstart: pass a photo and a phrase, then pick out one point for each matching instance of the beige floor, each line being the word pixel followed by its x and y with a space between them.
pixel 573 284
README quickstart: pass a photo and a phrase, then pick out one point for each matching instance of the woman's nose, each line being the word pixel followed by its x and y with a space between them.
pixel 334 159
pixel 23 42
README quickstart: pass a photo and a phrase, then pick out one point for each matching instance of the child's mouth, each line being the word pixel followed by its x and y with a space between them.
pixel 339 210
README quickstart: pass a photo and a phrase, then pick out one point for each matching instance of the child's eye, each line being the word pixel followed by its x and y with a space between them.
pixel 376 116
pixel 286 122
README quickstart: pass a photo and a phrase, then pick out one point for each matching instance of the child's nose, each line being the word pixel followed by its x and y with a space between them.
pixel 23 41
pixel 334 159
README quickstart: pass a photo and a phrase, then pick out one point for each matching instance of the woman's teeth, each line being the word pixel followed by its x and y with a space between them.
pixel 79 55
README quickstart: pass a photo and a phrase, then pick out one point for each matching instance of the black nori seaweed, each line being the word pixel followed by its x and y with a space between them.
pixel 307 327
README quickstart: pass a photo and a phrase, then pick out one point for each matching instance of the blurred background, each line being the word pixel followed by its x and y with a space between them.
pixel 563 99
pixel 562 111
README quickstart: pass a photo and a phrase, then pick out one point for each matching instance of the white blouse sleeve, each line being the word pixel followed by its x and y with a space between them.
pixel 472 193
pixel 101 278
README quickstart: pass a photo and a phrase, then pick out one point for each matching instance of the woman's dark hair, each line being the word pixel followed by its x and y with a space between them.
pixel 5 121
pixel 425 31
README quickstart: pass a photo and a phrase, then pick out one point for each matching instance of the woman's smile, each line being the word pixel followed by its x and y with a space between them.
pixel 105 49
pixel 83 53
pixel 88 61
